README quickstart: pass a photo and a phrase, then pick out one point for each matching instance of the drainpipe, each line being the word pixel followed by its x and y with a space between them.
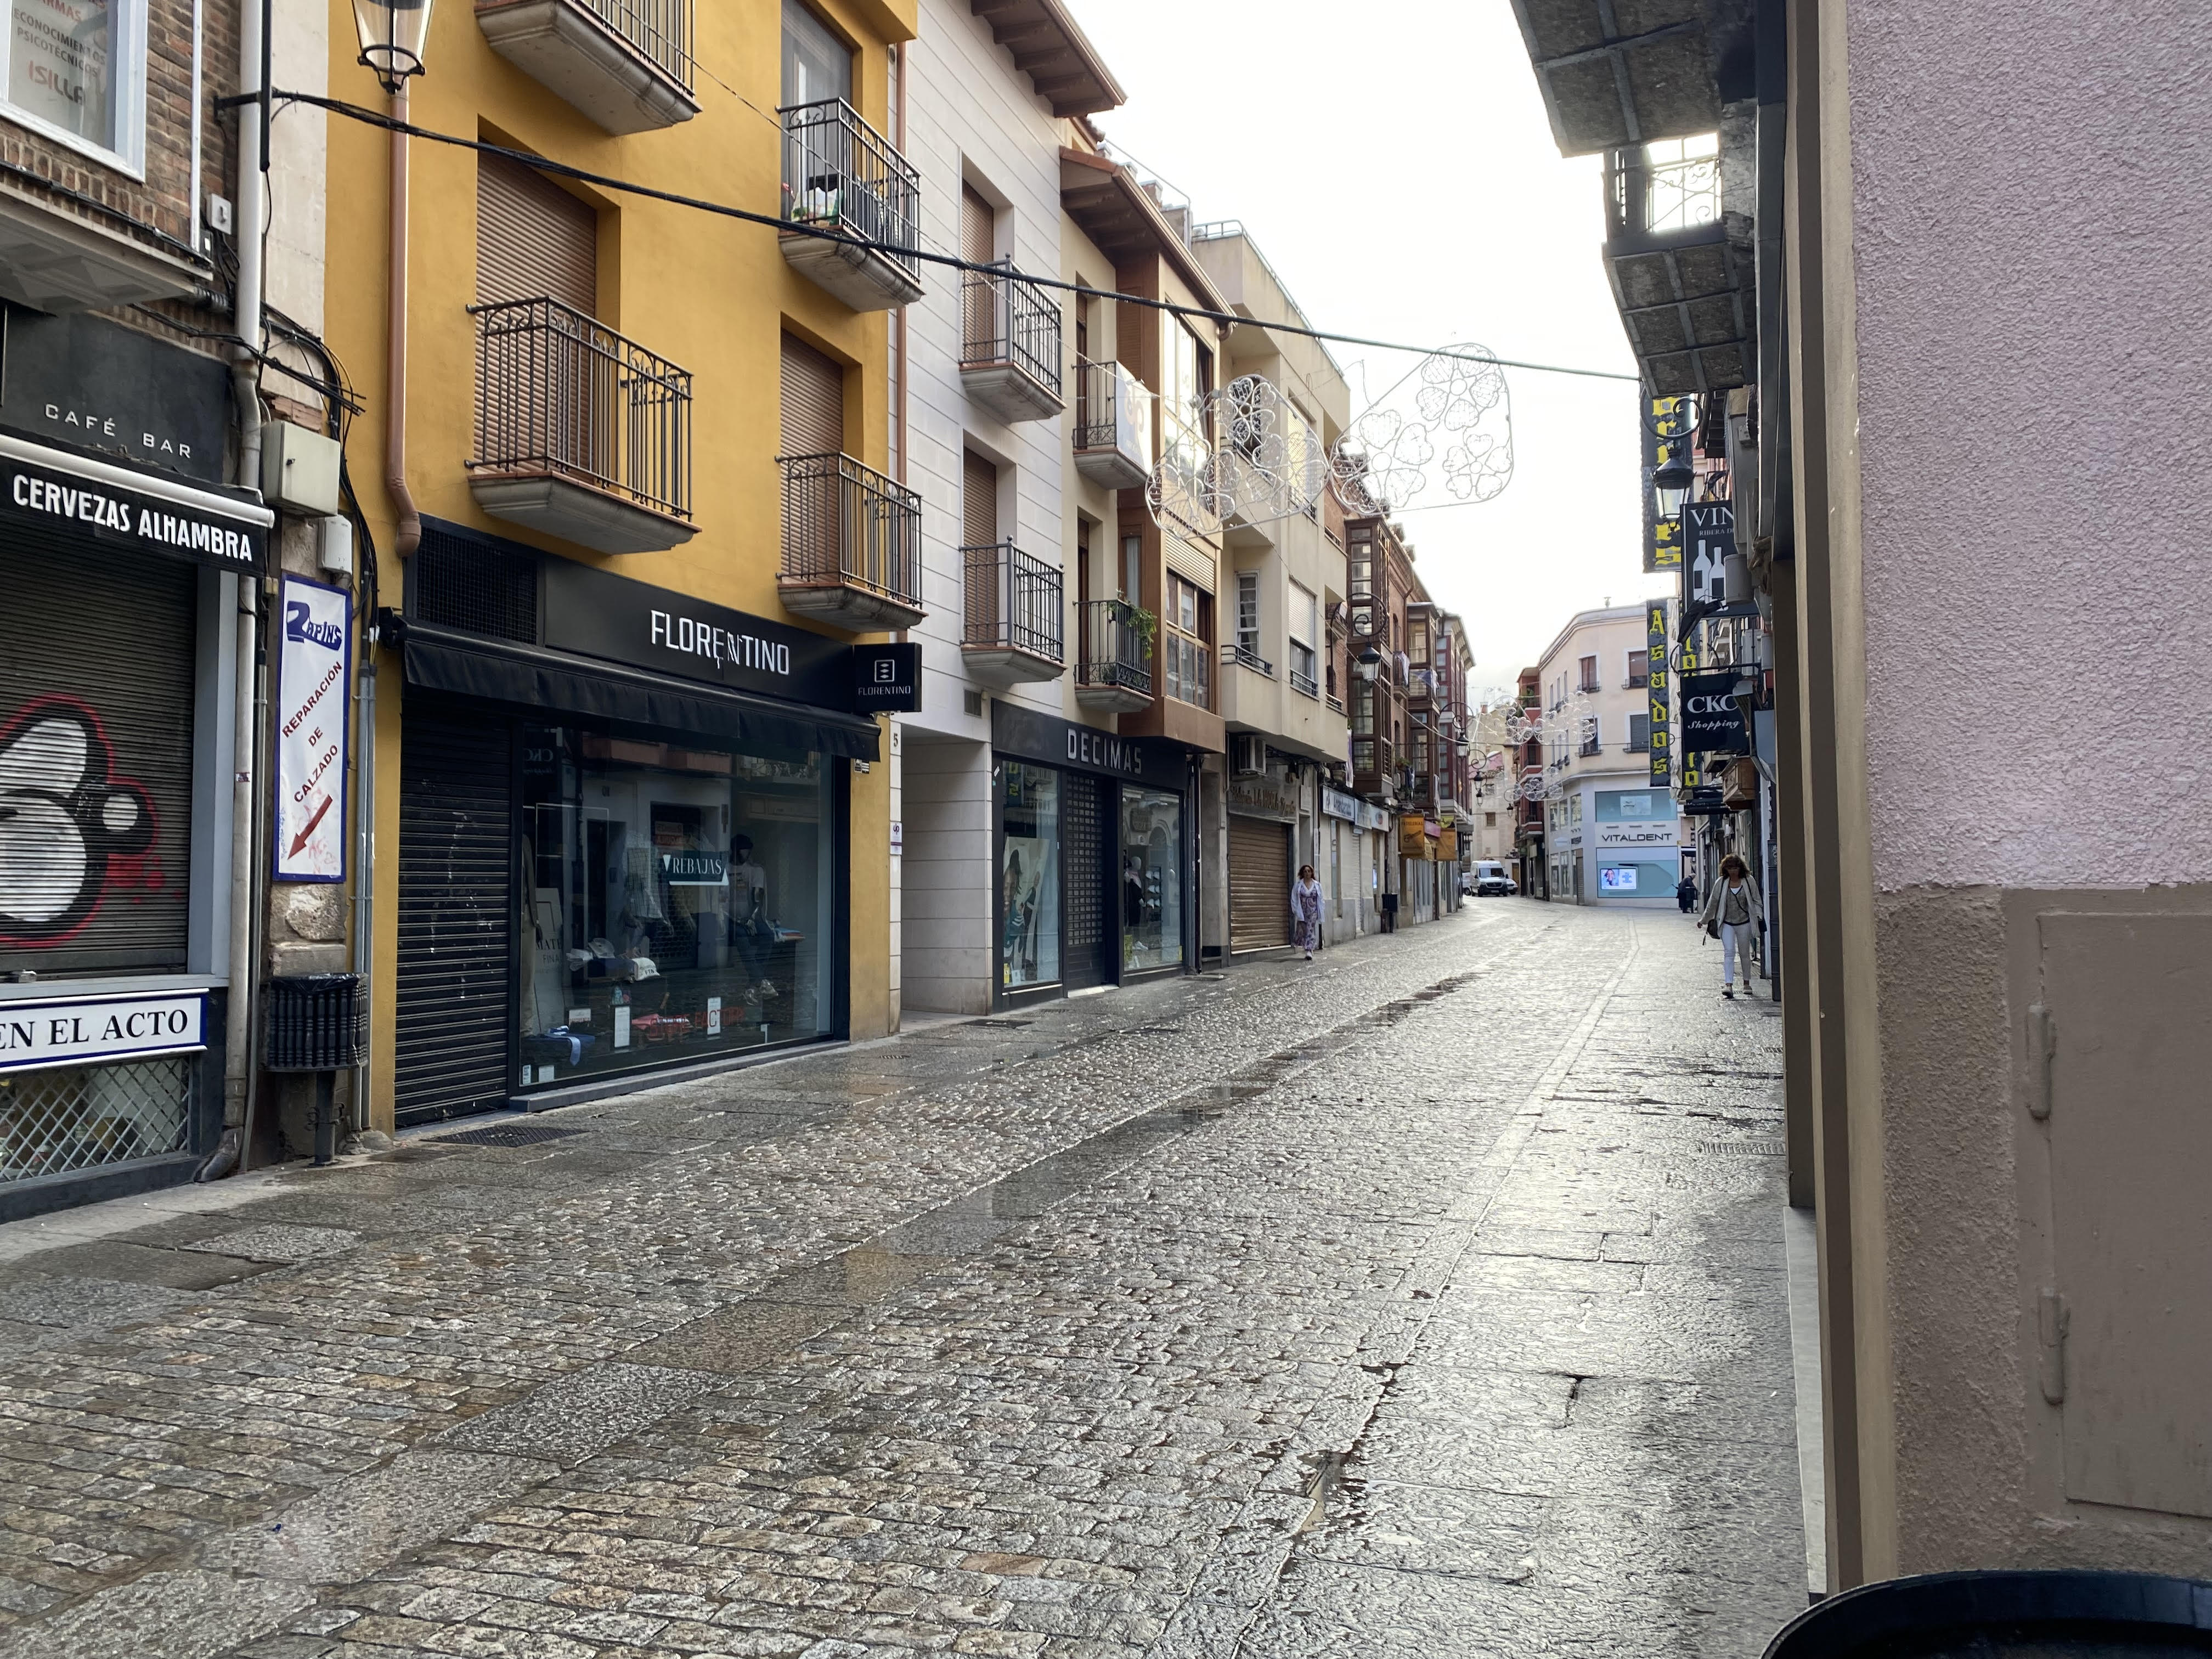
pixel 245 393
pixel 409 536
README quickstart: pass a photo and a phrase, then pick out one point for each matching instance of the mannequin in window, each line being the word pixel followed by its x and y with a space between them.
pixel 751 931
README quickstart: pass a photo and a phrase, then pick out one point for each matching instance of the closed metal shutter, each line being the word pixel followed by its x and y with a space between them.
pixel 1259 883
pixel 813 401
pixel 1082 843
pixel 456 910
pixel 534 240
pixel 96 680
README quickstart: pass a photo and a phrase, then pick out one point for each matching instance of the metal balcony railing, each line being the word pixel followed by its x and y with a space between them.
pixel 1012 600
pixel 659 31
pixel 840 173
pixel 1006 318
pixel 1305 684
pixel 1244 656
pixel 848 524
pixel 1115 652
pixel 1113 410
pixel 1658 188
pixel 559 393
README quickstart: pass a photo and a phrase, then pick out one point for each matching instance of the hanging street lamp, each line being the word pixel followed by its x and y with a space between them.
pixel 393 34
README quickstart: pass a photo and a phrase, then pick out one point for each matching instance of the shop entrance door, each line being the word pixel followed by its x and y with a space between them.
pixel 1259 885
pixel 456 932
pixel 1092 927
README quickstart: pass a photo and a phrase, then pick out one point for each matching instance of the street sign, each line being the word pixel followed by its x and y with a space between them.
pixel 1658 693
pixel 1712 723
pixel 1710 529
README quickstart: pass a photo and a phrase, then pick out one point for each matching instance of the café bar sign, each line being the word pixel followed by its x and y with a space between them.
pixel 84 1030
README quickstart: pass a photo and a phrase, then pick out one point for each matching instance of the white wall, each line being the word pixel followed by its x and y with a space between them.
pixel 946 886
pixel 971 115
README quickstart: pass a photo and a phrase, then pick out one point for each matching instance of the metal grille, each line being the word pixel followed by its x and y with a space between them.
pixel 1114 651
pixel 1743 1148
pixel 79 1117
pixel 559 393
pixel 509 1134
pixel 659 30
pixel 477 584
pixel 1089 959
pixel 1013 600
pixel 1009 320
pixel 847 523
pixel 840 173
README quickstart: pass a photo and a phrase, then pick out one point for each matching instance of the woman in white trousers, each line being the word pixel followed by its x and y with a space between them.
pixel 1733 913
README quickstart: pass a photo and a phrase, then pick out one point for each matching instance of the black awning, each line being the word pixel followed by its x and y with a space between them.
pixel 467 664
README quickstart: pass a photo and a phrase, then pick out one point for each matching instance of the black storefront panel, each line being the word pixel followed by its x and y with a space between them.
pixel 455 910
pixel 96 695
pixel 1086 833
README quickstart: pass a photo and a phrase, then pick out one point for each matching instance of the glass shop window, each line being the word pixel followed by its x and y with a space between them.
pixel 77 69
pixel 1152 879
pixel 676 902
pixel 1029 871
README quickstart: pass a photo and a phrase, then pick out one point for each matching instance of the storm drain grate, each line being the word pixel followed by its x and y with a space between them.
pixel 1744 1148
pixel 1000 1024
pixel 511 1134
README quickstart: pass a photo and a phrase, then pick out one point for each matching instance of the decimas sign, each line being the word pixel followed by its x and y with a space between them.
pixel 314 662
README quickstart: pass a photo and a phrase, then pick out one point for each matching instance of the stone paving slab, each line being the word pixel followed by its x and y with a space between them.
pixel 1392 1304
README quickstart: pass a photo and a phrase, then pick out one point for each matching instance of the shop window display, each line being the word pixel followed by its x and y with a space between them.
pixel 1029 875
pixel 1151 880
pixel 676 902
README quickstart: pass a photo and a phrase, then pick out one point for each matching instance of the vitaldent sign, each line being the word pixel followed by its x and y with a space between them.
pixel 71 1030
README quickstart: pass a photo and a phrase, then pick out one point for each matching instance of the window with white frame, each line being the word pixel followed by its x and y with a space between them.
pixel 1304 630
pixel 76 71
pixel 1248 613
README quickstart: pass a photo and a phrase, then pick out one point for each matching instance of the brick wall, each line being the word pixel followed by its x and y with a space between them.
pixel 163 201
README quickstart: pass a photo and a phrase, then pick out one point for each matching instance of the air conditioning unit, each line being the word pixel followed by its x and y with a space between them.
pixel 1248 754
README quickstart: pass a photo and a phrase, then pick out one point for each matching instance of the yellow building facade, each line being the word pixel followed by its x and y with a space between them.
pixel 687 859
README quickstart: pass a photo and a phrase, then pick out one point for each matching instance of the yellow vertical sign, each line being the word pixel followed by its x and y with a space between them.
pixel 1661 696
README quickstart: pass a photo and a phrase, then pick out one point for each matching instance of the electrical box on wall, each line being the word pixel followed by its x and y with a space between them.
pixel 299 469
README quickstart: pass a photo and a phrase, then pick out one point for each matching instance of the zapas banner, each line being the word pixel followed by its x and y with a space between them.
pixel 314 659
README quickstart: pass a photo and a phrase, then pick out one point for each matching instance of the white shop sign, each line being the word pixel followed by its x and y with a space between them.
pixel 78 1031
pixel 1660 833
pixel 314 682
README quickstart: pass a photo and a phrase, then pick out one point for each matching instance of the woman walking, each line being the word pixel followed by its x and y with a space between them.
pixel 1733 913
pixel 1306 910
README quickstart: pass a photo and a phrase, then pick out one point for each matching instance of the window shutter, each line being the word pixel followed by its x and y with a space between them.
pixel 978 227
pixel 813 401
pixel 534 240
pixel 979 500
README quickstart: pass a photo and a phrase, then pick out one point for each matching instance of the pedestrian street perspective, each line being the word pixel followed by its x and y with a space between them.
pixel 1414 1301
pixel 860 827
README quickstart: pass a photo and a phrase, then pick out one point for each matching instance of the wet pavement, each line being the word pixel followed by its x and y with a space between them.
pixel 1427 1299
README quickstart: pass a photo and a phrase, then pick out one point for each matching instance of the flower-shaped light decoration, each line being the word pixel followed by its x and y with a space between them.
pixel 1452 416
pixel 1272 462
pixel 1185 490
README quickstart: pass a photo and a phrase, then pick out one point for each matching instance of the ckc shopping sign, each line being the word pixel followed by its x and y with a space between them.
pixel 314 660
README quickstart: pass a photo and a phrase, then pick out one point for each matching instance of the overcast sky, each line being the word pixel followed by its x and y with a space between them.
pixel 1392 161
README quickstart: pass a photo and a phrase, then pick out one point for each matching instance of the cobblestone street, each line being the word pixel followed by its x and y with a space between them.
pixel 1427 1299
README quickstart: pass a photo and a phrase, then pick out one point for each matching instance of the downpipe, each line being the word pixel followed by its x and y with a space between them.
pixel 233 1151
pixel 410 533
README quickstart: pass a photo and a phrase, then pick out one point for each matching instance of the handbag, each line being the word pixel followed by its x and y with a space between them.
pixel 1712 930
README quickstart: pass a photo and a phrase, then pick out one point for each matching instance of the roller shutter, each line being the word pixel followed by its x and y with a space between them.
pixel 979 500
pixel 1259 883
pixel 456 910
pixel 813 401
pixel 534 240
pixel 97 682
pixel 979 232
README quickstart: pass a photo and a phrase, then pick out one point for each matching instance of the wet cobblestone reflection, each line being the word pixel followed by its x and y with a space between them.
pixel 1415 1302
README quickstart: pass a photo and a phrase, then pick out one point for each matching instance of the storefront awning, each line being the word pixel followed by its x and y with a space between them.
pixel 469 666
